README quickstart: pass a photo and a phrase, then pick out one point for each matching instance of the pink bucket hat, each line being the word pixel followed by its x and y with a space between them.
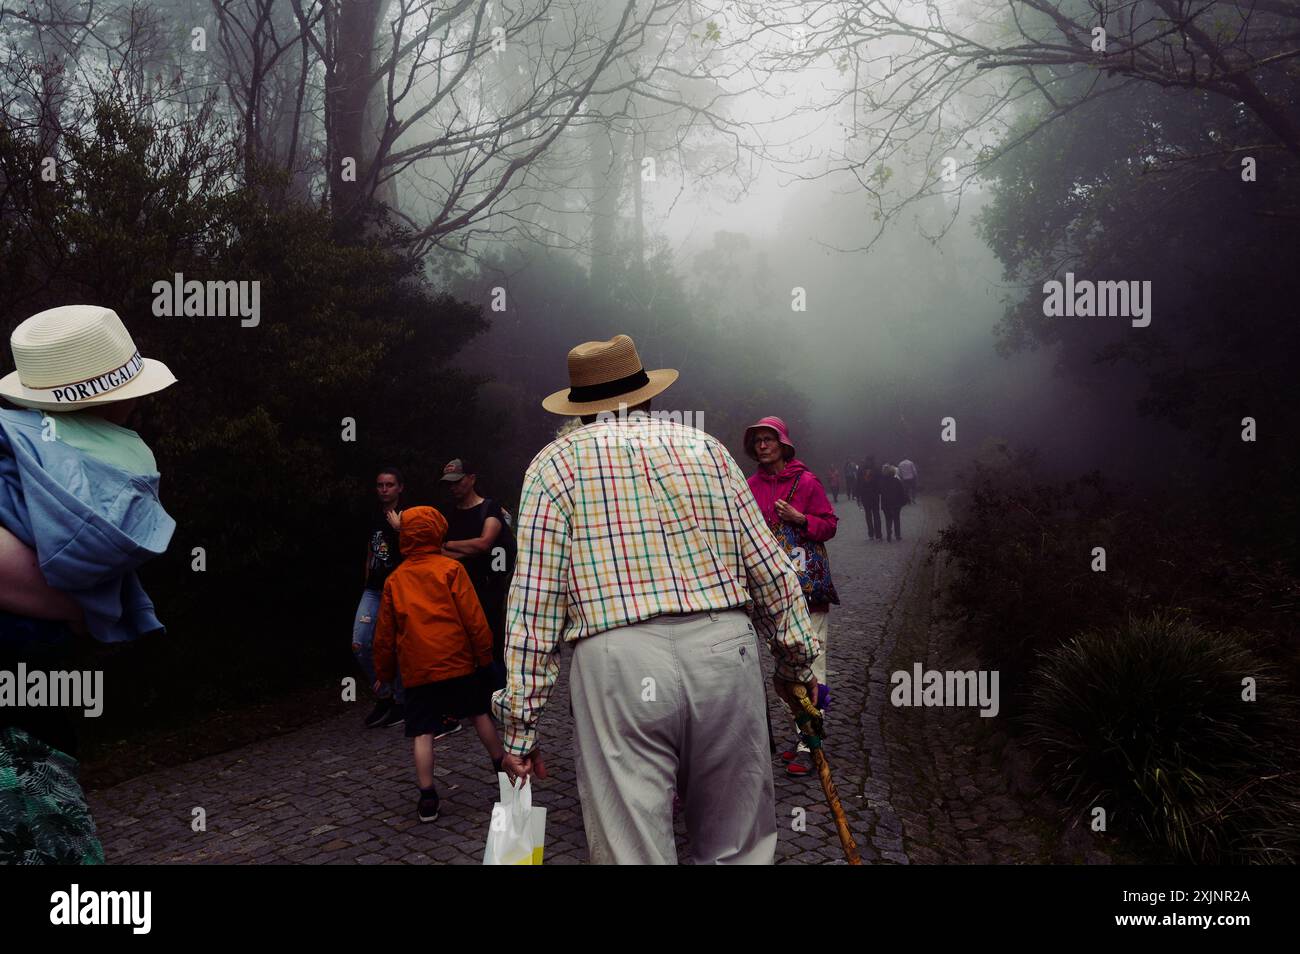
pixel 772 423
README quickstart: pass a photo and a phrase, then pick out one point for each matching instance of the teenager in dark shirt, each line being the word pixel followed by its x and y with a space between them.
pixel 478 536
pixel 382 557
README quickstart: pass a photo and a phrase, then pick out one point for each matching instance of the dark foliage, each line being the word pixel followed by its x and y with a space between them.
pixel 1129 680
pixel 250 442
pixel 1141 185
pixel 1148 721
pixel 1021 551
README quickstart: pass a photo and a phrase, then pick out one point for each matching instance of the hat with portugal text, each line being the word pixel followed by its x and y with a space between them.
pixel 78 356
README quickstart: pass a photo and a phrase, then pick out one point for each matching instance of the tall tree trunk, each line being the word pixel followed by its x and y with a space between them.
pixel 638 237
pixel 349 94
pixel 288 122
pixel 604 169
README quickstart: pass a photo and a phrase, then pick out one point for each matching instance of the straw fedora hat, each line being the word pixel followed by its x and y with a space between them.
pixel 78 356
pixel 605 374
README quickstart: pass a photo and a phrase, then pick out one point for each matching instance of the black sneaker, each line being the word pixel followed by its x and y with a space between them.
pixel 379 713
pixel 450 727
pixel 396 715
pixel 427 809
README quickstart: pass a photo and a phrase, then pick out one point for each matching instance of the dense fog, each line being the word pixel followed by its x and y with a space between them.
pixel 1045 250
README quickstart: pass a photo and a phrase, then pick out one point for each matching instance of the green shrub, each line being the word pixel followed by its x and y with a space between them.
pixel 1019 553
pixel 1020 577
pixel 1147 720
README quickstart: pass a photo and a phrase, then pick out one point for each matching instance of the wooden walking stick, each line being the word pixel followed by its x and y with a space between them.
pixel 809 720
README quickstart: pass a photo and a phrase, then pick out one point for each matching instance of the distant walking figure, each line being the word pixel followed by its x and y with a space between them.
pixel 892 497
pixel 835 484
pixel 851 479
pixel 641 544
pixel 907 474
pixel 869 496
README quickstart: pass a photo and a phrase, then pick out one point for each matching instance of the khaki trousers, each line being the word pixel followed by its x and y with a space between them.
pixel 673 704
pixel 822 627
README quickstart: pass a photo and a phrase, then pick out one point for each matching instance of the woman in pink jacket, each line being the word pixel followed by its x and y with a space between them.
pixel 780 472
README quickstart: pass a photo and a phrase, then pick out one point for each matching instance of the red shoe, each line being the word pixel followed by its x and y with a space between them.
pixel 797 769
pixel 789 755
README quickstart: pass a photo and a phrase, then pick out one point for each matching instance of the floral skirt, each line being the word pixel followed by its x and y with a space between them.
pixel 44 818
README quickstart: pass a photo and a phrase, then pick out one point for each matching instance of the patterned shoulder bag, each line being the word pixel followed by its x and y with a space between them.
pixel 808 556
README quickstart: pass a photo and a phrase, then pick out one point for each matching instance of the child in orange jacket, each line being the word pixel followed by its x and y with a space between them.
pixel 432 628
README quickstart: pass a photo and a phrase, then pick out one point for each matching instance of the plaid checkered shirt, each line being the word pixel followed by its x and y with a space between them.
pixel 621 521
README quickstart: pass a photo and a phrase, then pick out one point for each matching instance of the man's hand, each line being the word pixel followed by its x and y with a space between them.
pixel 785 689
pixel 522 766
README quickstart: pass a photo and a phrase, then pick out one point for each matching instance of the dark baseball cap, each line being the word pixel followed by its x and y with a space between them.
pixel 456 469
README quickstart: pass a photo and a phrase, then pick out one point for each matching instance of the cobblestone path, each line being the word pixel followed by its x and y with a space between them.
pixel 918 785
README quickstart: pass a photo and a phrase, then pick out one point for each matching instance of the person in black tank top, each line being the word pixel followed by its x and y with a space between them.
pixel 475 528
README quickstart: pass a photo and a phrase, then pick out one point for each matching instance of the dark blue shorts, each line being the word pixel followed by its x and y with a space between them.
pixel 461 698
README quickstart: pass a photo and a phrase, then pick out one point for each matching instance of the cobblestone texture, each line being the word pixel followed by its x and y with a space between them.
pixel 918 785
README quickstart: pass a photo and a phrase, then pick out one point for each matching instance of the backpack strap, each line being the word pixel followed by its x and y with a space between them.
pixel 793 488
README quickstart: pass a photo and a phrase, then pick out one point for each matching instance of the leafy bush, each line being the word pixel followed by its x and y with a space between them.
pixel 1021 580
pixel 1147 720
pixel 1020 556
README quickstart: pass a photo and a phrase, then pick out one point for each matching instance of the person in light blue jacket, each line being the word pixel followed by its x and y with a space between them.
pixel 90 522
pixel 79 513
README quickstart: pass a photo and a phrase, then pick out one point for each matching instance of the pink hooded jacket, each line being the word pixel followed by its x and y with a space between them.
pixel 809 498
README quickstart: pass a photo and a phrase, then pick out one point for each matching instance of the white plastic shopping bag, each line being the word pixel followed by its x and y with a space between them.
pixel 517 831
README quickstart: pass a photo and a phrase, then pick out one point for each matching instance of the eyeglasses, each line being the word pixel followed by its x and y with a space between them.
pixel 765 440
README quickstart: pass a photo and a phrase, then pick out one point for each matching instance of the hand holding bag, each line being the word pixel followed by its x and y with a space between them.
pixel 517 830
pixel 809 558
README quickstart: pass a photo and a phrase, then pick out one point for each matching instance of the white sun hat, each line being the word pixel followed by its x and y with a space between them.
pixel 78 356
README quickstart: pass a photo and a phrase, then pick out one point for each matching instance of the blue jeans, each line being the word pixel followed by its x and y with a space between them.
pixel 363 644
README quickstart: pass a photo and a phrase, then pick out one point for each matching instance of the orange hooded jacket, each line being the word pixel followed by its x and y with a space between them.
pixel 429 617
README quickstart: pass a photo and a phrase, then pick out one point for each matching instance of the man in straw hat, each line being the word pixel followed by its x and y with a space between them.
pixel 640 543
pixel 79 512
